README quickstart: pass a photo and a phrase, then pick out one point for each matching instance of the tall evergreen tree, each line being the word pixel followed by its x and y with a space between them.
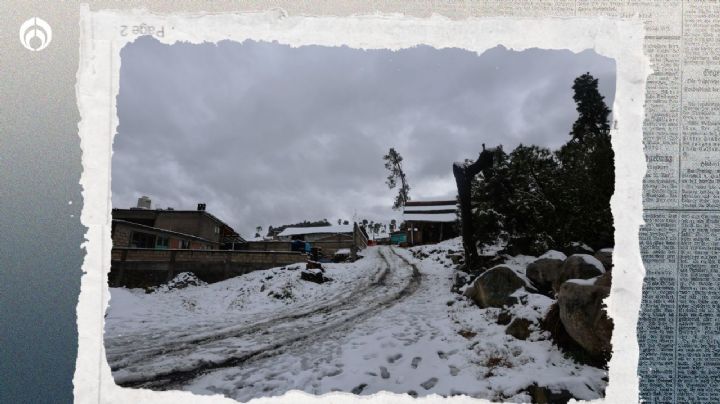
pixel 588 169
pixel 593 113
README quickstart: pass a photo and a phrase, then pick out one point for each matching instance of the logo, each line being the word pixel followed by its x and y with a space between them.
pixel 35 34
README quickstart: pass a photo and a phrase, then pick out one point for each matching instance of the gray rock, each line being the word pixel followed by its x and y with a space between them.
pixel 494 287
pixel 578 266
pixel 605 256
pixel 583 315
pixel 543 272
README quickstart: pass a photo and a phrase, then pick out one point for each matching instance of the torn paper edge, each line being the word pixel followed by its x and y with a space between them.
pixel 97 88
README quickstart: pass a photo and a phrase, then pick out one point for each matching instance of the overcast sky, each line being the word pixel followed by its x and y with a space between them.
pixel 266 134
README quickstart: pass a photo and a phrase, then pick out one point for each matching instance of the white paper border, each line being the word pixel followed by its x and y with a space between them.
pixel 97 89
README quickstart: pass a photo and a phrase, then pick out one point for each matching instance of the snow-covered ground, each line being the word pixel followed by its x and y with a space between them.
pixel 387 322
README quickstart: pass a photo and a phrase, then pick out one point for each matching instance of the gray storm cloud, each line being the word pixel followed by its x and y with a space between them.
pixel 266 134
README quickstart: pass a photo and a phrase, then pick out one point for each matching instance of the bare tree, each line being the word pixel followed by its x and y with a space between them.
pixel 464 173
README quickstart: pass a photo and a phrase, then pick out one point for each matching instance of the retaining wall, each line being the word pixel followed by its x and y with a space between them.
pixel 140 267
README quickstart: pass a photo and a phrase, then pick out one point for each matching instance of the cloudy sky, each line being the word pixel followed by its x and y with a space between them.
pixel 266 134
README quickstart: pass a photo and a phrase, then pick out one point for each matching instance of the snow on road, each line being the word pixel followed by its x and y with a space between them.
pixel 387 322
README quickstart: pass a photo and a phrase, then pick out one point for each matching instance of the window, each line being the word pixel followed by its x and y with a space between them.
pixel 217 230
pixel 162 242
pixel 185 244
pixel 142 240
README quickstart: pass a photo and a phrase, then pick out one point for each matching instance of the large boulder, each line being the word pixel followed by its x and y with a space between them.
pixel 580 302
pixel 543 272
pixel 605 257
pixel 578 266
pixel 495 286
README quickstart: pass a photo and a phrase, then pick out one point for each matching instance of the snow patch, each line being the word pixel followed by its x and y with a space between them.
pixel 589 259
pixel 553 254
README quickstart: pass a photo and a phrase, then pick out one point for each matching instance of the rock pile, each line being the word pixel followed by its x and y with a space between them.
pixel 579 283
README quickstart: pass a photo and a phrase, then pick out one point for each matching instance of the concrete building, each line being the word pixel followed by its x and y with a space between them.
pixel 134 235
pixel 430 221
pixel 206 228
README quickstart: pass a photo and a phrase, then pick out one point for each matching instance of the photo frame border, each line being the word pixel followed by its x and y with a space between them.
pixel 102 38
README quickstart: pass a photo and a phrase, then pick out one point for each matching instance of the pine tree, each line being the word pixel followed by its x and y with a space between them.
pixel 588 170
pixel 592 121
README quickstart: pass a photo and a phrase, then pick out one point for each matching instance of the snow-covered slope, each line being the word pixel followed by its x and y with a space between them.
pixel 388 322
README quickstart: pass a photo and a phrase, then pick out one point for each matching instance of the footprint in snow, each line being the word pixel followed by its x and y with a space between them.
pixel 392 359
pixel 359 388
pixel 454 370
pixel 429 383
pixel 415 362
pixel 384 372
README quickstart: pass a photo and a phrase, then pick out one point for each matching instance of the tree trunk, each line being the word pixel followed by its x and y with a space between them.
pixel 464 173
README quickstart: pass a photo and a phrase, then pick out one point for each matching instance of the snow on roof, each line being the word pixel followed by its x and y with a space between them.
pixel 292 231
pixel 430 217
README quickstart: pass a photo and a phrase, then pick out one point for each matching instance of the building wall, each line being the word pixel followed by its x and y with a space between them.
pixel 195 223
pixel 122 237
pixel 267 246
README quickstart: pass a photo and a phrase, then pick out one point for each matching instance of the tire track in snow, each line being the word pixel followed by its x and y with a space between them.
pixel 117 351
pixel 357 311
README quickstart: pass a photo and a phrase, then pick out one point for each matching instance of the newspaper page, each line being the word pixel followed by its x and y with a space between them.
pixel 678 331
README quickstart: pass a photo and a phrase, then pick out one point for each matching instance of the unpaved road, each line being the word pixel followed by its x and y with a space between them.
pixel 182 358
